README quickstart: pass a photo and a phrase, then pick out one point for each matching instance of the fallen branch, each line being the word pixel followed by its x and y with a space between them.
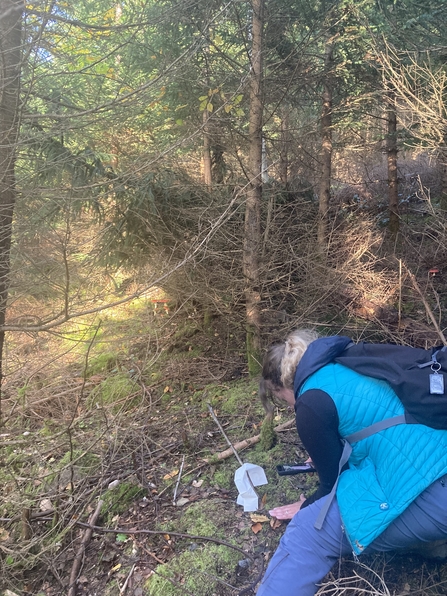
pixel 126 583
pixel 101 530
pixel 229 452
pixel 80 554
pixel 174 500
pixel 245 443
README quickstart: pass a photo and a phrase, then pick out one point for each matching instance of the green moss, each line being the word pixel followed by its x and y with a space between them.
pixel 50 428
pixel 104 362
pixel 238 397
pixel 113 390
pixel 22 391
pixel 207 518
pixel 268 436
pixel 119 499
pixel 186 330
pixel 266 458
pixel 194 572
pixel 86 462
pixel 75 462
pixel 194 569
pixel 223 476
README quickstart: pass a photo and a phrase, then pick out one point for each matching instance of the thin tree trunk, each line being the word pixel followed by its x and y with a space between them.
pixel 10 63
pixel 206 153
pixel 284 151
pixel 264 163
pixel 218 166
pixel 326 151
pixel 391 149
pixel 207 175
pixel 252 228
pixel 442 159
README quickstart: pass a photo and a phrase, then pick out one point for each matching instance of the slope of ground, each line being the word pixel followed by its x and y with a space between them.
pixel 126 423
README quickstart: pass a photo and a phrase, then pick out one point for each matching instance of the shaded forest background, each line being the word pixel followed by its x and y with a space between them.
pixel 180 184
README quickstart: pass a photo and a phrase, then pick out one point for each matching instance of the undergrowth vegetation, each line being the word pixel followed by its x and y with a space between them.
pixel 114 409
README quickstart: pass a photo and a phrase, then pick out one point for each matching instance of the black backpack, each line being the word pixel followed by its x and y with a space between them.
pixel 415 374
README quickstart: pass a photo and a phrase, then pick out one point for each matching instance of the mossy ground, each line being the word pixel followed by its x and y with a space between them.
pixel 190 572
pixel 137 413
pixel 117 391
pixel 201 565
pixel 117 500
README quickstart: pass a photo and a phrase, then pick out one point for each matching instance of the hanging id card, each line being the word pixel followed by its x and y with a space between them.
pixel 436 384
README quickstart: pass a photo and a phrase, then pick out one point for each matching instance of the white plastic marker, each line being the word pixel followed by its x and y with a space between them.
pixel 246 477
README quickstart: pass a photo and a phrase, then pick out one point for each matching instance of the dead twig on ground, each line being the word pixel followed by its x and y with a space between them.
pixel 126 583
pixel 101 530
pixel 178 481
pixel 80 554
pixel 245 443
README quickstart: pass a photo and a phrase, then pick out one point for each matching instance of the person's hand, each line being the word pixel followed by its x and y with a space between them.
pixel 287 511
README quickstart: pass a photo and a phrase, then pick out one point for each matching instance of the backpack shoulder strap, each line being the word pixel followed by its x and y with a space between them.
pixel 347 449
pixel 375 428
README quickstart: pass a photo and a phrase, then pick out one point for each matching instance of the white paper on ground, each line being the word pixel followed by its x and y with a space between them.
pixel 247 495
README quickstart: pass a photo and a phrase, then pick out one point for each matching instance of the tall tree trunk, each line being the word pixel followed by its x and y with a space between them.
pixel 252 228
pixel 391 149
pixel 10 63
pixel 442 160
pixel 264 163
pixel 207 174
pixel 326 150
pixel 218 166
pixel 206 155
pixel 284 150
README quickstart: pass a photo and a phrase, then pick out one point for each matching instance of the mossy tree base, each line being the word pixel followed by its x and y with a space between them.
pixel 267 438
pixel 253 352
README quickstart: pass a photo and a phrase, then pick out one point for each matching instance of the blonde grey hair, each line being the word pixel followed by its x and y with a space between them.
pixel 295 345
pixel 280 362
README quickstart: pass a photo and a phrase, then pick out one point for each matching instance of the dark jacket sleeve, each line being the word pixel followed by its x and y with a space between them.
pixel 317 425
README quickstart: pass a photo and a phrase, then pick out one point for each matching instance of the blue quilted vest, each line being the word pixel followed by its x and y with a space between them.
pixel 388 470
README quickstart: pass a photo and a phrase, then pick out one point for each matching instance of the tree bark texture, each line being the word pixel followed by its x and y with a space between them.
pixel 252 228
pixel 207 175
pixel 206 155
pixel 391 149
pixel 442 159
pixel 284 151
pixel 326 151
pixel 10 64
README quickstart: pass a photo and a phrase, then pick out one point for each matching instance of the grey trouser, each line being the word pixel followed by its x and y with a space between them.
pixel 305 555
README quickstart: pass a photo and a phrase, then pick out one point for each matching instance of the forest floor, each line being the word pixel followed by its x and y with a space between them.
pixel 135 433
